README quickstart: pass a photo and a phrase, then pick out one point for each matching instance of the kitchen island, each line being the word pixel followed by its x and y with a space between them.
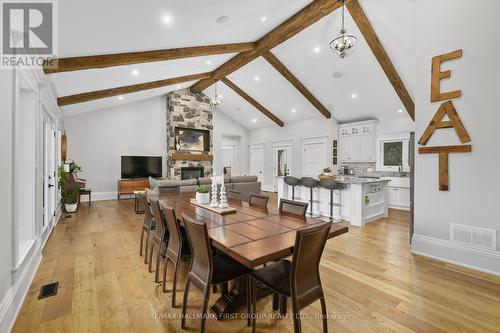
pixel 362 200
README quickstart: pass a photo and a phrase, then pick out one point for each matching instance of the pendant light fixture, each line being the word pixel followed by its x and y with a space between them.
pixel 343 44
pixel 216 101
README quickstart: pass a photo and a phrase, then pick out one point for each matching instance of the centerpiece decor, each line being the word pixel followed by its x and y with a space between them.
pixel 202 195
pixel 223 198
pixel 214 202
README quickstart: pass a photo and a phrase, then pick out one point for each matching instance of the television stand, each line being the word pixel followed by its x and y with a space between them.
pixel 128 186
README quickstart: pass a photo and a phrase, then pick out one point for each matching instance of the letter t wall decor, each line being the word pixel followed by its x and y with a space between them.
pixel 446 109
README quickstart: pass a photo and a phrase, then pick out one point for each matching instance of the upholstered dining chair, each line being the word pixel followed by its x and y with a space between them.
pixel 298 279
pixel 257 200
pixel 177 246
pixel 159 238
pixel 234 195
pixel 148 225
pixel 206 270
pixel 293 209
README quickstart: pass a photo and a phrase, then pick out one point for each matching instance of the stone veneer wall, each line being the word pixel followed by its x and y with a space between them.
pixel 185 109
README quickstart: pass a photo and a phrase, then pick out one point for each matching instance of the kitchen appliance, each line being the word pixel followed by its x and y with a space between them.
pixel 344 170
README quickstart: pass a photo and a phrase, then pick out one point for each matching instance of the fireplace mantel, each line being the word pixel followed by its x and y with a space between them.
pixel 191 157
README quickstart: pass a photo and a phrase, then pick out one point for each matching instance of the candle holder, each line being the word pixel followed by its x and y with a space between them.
pixel 214 202
pixel 223 198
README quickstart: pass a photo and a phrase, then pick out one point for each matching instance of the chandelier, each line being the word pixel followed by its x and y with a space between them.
pixel 216 101
pixel 343 44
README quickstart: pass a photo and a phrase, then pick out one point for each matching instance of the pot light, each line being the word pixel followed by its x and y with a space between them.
pixel 120 98
pixel 316 49
pixel 208 62
pixel 256 78
pixel 354 95
pixel 135 72
pixel 400 111
pixel 254 120
pixel 178 86
pixel 263 19
pixel 294 110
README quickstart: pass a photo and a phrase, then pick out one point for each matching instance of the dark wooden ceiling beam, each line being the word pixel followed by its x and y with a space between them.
pixel 378 50
pixel 130 58
pixel 278 65
pixel 93 95
pixel 298 22
pixel 252 101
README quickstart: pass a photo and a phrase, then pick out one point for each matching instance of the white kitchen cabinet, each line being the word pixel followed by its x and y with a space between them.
pixel 398 197
pixel 357 142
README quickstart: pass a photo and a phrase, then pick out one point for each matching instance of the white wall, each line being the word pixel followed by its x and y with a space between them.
pixel 295 132
pixel 473 197
pixel 97 140
pixel 226 131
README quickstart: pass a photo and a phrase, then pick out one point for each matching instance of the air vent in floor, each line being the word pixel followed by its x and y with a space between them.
pixel 474 236
pixel 48 290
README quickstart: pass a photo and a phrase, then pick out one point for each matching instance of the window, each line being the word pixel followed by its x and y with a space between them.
pixel 394 154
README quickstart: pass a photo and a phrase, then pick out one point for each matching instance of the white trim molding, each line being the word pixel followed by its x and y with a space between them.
pixel 483 260
pixel 102 196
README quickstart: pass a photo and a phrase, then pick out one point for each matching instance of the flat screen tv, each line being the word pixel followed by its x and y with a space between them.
pixel 141 166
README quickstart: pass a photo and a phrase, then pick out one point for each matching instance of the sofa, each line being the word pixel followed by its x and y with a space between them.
pixel 243 184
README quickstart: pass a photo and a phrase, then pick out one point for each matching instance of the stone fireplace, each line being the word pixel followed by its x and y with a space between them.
pixel 188 110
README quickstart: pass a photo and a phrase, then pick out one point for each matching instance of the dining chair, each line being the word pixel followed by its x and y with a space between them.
pixel 159 239
pixel 234 195
pixel 299 279
pixel 257 200
pixel 177 246
pixel 293 209
pixel 206 269
pixel 148 225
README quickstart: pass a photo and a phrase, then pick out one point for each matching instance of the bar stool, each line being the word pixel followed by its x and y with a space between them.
pixel 332 185
pixel 292 181
pixel 311 183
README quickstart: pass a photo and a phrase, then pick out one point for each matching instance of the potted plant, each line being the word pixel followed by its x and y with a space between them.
pixel 327 171
pixel 70 200
pixel 202 195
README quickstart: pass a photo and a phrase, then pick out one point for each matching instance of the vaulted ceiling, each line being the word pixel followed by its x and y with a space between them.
pixel 95 27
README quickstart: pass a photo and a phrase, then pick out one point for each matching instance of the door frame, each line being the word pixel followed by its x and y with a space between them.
pixel 260 146
pixel 234 152
pixel 285 145
pixel 317 140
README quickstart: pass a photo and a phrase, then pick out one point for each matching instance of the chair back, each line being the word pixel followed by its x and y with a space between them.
pixel 149 221
pixel 234 195
pixel 292 181
pixel 293 209
pixel 257 200
pixel 161 226
pixel 305 278
pixel 201 255
pixel 174 240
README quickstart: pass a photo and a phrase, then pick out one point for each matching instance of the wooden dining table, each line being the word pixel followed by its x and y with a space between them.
pixel 252 236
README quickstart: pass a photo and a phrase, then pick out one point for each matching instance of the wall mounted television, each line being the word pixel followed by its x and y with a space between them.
pixel 141 166
pixel 190 139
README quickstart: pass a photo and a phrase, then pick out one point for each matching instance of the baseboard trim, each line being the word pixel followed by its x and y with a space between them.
pixel 101 196
pixel 268 188
pixel 482 260
pixel 14 299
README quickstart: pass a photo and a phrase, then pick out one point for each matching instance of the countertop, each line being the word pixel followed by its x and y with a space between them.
pixel 355 180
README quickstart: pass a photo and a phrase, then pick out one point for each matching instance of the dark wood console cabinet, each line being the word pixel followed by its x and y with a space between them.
pixel 128 186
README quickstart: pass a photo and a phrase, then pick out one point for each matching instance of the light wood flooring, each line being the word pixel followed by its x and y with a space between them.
pixel 372 284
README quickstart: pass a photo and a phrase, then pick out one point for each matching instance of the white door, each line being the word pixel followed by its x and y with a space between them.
pixel 49 173
pixel 314 159
pixel 257 162
pixel 228 160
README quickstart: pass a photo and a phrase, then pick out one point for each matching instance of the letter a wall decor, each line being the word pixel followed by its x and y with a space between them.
pixel 445 109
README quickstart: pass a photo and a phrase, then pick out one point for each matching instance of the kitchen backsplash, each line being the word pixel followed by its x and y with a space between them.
pixel 361 169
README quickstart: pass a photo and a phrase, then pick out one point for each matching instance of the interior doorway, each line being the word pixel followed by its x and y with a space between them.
pixel 257 161
pixel 228 160
pixel 314 159
pixel 282 159
pixel 49 172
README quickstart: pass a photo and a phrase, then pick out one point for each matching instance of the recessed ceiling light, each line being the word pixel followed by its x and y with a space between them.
pixel 222 19
pixel 337 75
pixel 178 86
pixel 135 72
pixel 263 19
pixel 354 95
pixel 256 78
pixel 208 62
pixel 254 120
pixel 120 98
pixel 317 49
pixel 294 110
pixel 400 111
pixel 220 96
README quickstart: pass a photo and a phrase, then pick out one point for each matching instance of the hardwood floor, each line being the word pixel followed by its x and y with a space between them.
pixel 372 284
